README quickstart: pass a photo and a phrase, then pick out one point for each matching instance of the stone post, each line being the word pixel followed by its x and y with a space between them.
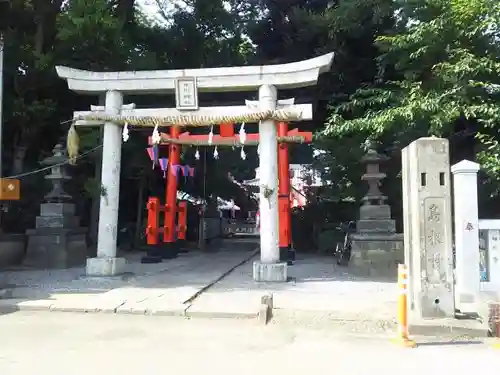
pixel 466 232
pixel 106 263
pixel 269 268
pixel 493 261
pixel 427 227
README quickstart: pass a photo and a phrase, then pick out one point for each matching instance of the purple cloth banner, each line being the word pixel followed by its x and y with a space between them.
pixel 164 166
pixel 153 154
pixel 175 169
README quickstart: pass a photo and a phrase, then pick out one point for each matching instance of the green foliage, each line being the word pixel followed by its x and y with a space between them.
pixel 439 67
pixel 394 78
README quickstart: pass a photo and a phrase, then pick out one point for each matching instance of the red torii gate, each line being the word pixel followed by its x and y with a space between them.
pixel 226 137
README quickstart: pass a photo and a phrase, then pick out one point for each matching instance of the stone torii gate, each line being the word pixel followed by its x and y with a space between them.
pixel 186 83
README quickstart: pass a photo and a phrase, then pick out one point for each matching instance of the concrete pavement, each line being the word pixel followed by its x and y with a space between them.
pixel 82 344
pixel 164 288
pixel 220 285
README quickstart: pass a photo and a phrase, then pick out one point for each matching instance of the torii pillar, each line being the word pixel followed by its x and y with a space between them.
pixel 169 225
pixel 106 262
pixel 285 221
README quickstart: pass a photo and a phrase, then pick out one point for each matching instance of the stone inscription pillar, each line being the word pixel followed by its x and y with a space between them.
pixel 427 227
pixel 106 263
pixel 269 268
pixel 466 232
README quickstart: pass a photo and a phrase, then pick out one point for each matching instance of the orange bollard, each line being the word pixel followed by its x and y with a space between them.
pixel 403 338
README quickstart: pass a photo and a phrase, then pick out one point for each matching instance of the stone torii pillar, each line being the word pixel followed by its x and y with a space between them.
pixel 269 268
pixel 106 262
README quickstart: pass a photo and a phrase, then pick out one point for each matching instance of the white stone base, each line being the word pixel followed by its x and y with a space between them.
pixel 98 267
pixel 269 272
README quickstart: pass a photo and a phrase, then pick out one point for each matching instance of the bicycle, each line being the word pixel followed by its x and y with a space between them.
pixel 343 251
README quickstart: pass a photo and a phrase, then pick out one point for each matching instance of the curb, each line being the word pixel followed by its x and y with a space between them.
pixel 453 328
pixel 220 315
pixel 387 326
pixel 264 315
pixel 10 306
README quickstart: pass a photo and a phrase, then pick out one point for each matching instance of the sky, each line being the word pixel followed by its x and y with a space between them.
pixel 150 8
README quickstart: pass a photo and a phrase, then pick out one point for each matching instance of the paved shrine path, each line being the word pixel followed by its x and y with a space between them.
pixel 218 285
pixel 163 287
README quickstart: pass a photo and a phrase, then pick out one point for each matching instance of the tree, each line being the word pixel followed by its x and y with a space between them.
pixel 293 30
pixel 438 72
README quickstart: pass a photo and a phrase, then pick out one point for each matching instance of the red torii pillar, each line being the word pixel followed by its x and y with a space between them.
pixel 182 227
pixel 284 215
pixel 158 252
pixel 152 231
pixel 169 224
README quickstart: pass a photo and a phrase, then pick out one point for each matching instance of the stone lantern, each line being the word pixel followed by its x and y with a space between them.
pixel 376 247
pixel 57 241
pixel 57 176
pixel 374 213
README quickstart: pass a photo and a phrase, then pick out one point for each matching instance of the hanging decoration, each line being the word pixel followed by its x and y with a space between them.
pixel 156 153
pixel 164 166
pixel 243 138
pixel 216 153
pixel 186 170
pixel 153 154
pixel 242 134
pixel 156 139
pixel 211 135
pixel 174 168
pixel 72 144
pixel 258 149
pixel 125 133
pixel 197 154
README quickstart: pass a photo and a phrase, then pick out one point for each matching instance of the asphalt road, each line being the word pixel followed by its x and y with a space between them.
pixel 73 344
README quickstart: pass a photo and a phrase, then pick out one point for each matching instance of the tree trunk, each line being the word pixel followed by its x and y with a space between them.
pixel 39 35
pixel 18 159
pixel 125 10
